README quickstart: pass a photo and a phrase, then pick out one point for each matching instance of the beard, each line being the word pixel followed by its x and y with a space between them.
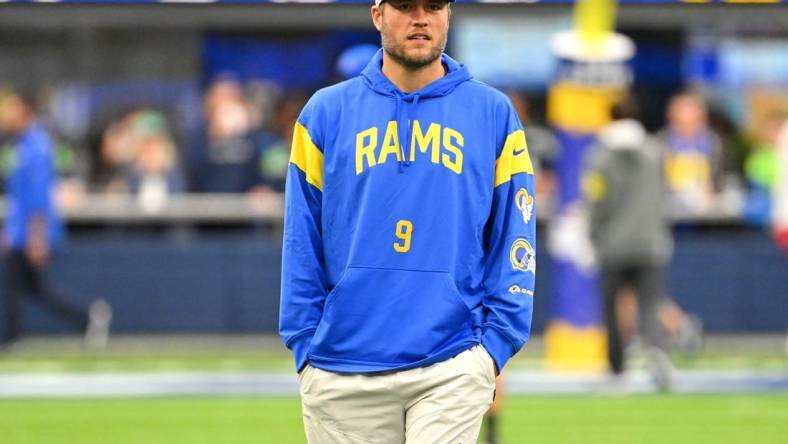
pixel 398 53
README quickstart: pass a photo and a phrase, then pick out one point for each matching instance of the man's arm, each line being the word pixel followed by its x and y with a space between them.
pixel 37 247
pixel 510 247
pixel 35 199
pixel 303 290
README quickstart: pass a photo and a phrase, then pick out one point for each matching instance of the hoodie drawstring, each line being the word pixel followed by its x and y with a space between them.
pixel 373 77
pixel 398 119
pixel 405 144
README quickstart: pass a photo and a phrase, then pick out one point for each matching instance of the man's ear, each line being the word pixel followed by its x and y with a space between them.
pixel 377 16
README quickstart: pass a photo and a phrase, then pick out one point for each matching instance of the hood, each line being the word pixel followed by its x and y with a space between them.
pixel 406 103
pixel 456 73
pixel 623 134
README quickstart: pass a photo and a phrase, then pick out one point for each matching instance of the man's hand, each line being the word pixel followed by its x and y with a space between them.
pixel 37 252
pixel 37 248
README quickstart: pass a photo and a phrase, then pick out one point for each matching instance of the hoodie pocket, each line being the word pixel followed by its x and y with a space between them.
pixel 391 317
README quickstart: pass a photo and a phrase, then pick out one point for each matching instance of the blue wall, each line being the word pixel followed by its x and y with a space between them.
pixel 154 284
pixel 736 281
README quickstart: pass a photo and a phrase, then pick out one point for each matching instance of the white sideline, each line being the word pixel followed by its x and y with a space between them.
pixel 148 384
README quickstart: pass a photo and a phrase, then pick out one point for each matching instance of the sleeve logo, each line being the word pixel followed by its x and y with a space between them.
pixel 525 203
pixel 516 289
pixel 523 256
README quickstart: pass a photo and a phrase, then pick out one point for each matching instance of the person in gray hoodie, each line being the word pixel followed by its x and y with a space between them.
pixel 629 229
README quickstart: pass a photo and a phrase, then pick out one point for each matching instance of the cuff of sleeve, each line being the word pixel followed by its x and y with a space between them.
pixel 300 348
pixel 498 346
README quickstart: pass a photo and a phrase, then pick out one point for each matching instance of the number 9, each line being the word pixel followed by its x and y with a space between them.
pixel 404 233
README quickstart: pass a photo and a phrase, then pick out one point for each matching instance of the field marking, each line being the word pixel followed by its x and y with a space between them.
pixel 151 384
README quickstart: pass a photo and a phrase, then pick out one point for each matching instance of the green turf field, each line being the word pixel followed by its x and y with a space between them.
pixel 268 354
pixel 672 419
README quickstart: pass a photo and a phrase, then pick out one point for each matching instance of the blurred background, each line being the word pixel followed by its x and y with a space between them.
pixel 170 127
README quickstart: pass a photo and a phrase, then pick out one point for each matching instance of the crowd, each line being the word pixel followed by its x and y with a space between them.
pixel 710 166
pixel 241 146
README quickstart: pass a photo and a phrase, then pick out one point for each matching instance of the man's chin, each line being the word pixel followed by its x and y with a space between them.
pixel 416 60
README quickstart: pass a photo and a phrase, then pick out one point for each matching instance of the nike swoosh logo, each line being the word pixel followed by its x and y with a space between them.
pixel 519 151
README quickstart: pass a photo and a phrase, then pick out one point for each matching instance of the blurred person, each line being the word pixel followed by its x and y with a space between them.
pixel 780 194
pixel 228 150
pixel 408 269
pixel 624 186
pixel 33 228
pixel 263 97
pixel 685 330
pixel 762 170
pixel 270 169
pixel 71 169
pixel 155 174
pixel 116 156
pixel 694 156
pixel 138 157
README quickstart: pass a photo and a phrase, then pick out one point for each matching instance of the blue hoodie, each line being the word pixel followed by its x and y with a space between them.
pixel 31 187
pixel 400 256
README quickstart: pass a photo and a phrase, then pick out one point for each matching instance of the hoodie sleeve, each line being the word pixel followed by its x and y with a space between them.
pixel 36 170
pixel 510 245
pixel 303 290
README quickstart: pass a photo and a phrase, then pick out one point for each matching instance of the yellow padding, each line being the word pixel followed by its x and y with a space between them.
pixel 580 108
pixel 514 158
pixel 307 157
pixel 570 348
pixel 595 19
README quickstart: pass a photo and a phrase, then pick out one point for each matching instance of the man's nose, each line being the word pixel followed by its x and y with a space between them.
pixel 419 15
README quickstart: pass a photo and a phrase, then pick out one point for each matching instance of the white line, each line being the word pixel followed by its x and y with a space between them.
pixel 97 385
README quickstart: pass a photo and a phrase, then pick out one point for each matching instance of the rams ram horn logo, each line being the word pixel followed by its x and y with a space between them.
pixel 523 256
pixel 525 203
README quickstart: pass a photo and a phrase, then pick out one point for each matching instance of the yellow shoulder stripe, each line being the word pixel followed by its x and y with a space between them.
pixel 307 157
pixel 514 158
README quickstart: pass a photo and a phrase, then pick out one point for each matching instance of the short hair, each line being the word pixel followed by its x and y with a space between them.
pixel 626 108
pixel 28 96
pixel 448 5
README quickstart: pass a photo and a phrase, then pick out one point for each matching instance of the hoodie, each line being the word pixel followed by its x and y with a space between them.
pixel 626 191
pixel 31 189
pixel 400 255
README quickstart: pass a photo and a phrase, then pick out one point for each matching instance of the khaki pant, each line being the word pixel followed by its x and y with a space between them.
pixel 441 403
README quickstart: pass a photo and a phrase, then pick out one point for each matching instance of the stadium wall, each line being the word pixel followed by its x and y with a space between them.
pixel 229 283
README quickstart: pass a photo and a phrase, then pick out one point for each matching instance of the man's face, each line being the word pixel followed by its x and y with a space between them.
pixel 11 113
pixel 687 115
pixel 413 32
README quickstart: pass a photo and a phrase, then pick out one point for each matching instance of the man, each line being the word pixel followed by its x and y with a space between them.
pixel 409 250
pixel 625 188
pixel 780 195
pixel 694 155
pixel 32 226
